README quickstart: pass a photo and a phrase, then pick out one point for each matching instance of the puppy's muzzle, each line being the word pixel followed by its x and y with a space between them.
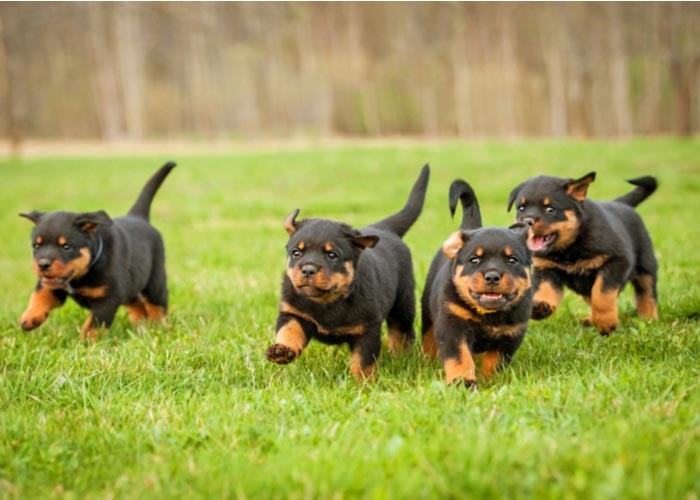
pixel 309 271
pixel 43 264
pixel 492 278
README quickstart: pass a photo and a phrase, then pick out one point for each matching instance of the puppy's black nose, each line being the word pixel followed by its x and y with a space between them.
pixel 492 277
pixel 43 264
pixel 308 271
pixel 529 221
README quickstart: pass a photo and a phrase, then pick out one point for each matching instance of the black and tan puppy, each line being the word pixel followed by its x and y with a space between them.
pixel 592 247
pixel 341 284
pixel 100 262
pixel 477 297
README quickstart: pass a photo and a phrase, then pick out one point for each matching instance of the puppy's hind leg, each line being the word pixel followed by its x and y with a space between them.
pixel 155 295
pixel 101 317
pixel 400 320
pixel 645 296
pixel 429 345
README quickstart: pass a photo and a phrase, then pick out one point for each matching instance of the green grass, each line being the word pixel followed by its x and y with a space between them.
pixel 191 407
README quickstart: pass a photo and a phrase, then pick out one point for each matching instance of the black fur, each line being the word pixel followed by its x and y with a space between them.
pixel 342 284
pixel 592 247
pixel 497 258
pixel 100 262
pixel 460 191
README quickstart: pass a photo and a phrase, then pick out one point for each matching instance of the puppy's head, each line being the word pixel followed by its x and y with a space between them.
pixel 553 209
pixel 322 257
pixel 490 266
pixel 64 244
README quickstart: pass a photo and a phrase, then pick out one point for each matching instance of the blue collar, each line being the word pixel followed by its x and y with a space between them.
pixel 98 254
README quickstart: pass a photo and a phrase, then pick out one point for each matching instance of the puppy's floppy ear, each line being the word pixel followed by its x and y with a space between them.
pixel 513 195
pixel 87 222
pixel 454 243
pixel 290 223
pixel 33 216
pixel 579 188
pixel 360 243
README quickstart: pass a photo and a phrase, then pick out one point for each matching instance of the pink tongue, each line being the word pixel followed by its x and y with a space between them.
pixel 536 243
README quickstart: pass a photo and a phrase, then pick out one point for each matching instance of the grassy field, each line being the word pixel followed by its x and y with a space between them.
pixel 191 408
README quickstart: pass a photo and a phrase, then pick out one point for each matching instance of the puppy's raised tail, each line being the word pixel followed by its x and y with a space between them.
pixel 645 186
pixel 401 221
pixel 463 192
pixel 142 207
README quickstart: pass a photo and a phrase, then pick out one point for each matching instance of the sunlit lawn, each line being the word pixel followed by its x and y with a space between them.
pixel 191 407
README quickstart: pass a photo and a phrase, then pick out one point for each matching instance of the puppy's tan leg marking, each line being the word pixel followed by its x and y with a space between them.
pixel 604 315
pixel 462 367
pixel 41 303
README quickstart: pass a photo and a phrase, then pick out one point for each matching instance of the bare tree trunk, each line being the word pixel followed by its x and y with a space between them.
pixel 459 61
pixel 556 76
pixel 654 64
pixel 684 67
pixel 106 85
pixel 317 101
pixel 204 101
pixel 372 123
pixel 619 80
pixel 14 103
pixel 682 78
pixel 557 93
pixel 131 66
pixel 509 67
pixel 429 111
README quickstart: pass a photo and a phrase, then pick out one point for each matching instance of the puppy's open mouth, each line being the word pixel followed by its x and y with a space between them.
pixel 539 242
pixel 492 300
pixel 56 282
pixel 312 291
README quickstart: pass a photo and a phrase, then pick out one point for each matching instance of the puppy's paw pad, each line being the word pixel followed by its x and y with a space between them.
pixel 541 310
pixel 280 354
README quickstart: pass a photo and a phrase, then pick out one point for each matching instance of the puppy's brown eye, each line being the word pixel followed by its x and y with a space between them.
pixel 296 253
pixel 332 255
pixel 36 246
pixel 67 247
pixel 521 208
pixel 512 260
pixel 474 260
pixel 550 210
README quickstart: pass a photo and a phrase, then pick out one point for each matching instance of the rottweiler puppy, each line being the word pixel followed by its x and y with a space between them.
pixel 592 247
pixel 100 262
pixel 341 284
pixel 477 297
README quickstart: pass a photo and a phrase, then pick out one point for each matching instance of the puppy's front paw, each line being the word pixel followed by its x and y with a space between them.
pixel 280 354
pixel 541 310
pixel 30 321
pixel 605 329
pixel 467 383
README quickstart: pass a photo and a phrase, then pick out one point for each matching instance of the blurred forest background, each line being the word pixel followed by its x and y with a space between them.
pixel 135 71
